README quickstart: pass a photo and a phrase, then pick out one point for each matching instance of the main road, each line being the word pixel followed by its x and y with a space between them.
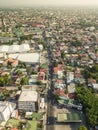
pixel 50 96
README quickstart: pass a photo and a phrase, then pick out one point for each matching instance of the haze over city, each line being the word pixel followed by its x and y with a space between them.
pixel 48 64
pixel 8 3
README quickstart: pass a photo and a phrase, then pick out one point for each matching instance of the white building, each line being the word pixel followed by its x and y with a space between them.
pixel 42 103
pixel 14 48
pixel 70 77
pixel 28 101
pixel 6 109
pixel 31 58
pixel 40 47
pixel 24 48
pixel 4 48
pixel 60 74
pixel 71 88
pixel 95 86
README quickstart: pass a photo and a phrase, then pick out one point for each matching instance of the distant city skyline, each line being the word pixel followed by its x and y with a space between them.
pixel 7 3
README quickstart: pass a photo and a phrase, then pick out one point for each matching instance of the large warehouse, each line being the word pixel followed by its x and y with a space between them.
pixel 20 52
pixel 14 48
pixel 26 57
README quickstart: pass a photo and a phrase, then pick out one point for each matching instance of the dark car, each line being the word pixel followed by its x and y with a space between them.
pixel 60 106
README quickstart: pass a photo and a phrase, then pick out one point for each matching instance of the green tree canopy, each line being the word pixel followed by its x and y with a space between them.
pixel 90 103
pixel 62 55
pixel 24 81
pixel 76 43
pixel 39 82
pixel 91 72
pixel 82 128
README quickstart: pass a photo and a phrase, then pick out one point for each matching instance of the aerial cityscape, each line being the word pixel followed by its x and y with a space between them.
pixel 49 65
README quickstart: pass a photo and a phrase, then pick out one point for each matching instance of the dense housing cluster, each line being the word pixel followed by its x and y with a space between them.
pixel 48 68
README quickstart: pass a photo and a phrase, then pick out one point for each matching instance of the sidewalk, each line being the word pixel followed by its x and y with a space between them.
pixel 45 118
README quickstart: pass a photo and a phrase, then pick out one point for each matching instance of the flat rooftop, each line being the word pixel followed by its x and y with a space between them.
pixel 28 96
pixel 26 57
pixel 71 88
pixel 15 48
pixel 29 87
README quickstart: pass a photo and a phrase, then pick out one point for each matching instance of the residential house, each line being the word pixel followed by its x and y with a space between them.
pixel 70 77
pixel 71 91
pixel 61 93
pixel 58 71
pixel 11 61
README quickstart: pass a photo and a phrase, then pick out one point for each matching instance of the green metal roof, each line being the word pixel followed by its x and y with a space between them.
pixel 68 117
pixel 45 66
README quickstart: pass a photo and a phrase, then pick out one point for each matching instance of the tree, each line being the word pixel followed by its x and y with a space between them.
pixel 6 79
pixel 76 43
pixel 9 65
pixel 39 83
pixel 62 55
pixel 19 73
pixel 91 72
pixel 40 125
pixel 66 91
pixel 24 81
pixel 90 103
pixel 82 128
pixel 55 64
pixel 56 96
pixel 25 37
pixel 28 69
pixel 34 72
pixel 94 69
pixel 20 125
pixel 2 82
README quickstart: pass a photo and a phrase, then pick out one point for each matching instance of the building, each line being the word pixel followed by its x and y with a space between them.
pixel 42 103
pixel 70 103
pixel 15 48
pixel 28 101
pixel 6 109
pixel 29 58
pixel 71 91
pixel 70 77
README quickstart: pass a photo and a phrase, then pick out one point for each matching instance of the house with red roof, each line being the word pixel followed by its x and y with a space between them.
pixel 13 62
pixel 61 93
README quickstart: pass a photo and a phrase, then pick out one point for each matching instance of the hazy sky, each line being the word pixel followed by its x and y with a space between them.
pixel 46 2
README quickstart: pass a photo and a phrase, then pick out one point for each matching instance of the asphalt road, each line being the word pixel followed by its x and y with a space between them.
pixel 52 109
